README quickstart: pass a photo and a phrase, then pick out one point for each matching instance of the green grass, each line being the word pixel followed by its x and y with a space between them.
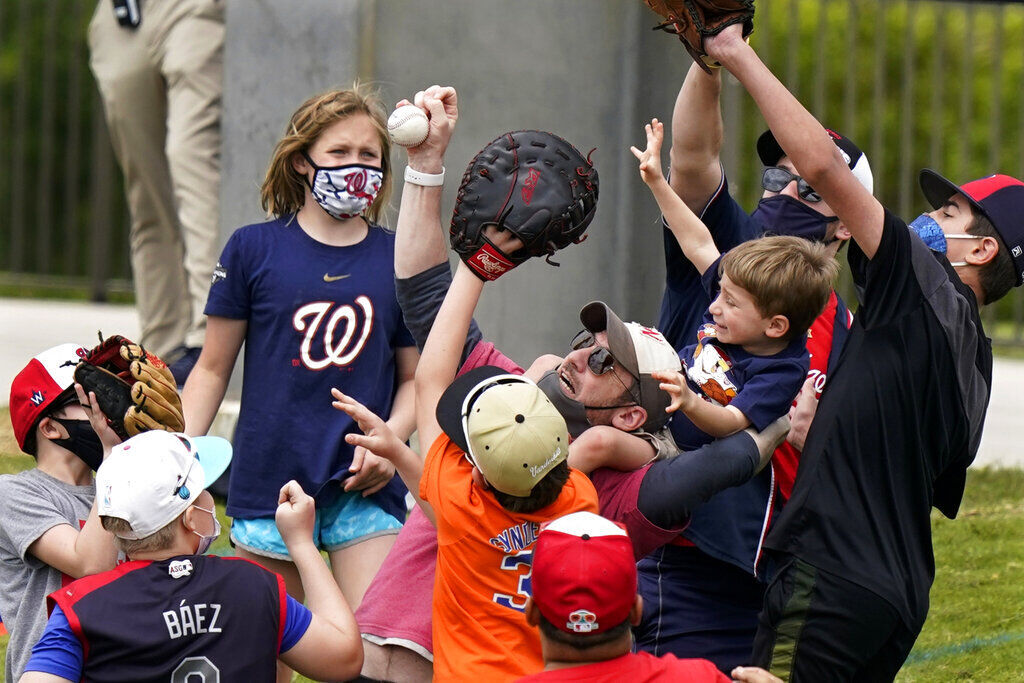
pixel 975 629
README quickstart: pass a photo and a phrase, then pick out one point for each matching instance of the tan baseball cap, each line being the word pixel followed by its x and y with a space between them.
pixel 507 427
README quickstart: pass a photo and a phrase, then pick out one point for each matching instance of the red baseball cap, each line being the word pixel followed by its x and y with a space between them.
pixel 584 573
pixel 47 377
pixel 1000 198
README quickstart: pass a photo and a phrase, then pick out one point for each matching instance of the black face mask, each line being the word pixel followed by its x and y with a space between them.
pixel 82 441
pixel 784 215
pixel 572 411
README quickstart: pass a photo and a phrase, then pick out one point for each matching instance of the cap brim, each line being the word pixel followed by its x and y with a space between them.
pixel 598 317
pixel 938 189
pixel 769 151
pixel 449 407
pixel 214 454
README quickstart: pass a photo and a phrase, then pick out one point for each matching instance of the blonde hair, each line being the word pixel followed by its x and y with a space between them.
pixel 160 539
pixel 785 275
pixel 284 189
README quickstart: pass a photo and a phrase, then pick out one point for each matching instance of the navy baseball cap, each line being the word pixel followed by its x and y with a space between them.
pixel 769 151
pixel 1000 198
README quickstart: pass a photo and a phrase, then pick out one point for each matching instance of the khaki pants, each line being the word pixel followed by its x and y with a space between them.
pixel 161 85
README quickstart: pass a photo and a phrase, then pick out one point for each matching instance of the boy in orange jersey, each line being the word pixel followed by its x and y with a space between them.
pixel 495 470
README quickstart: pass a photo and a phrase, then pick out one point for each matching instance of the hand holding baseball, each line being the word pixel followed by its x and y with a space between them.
pixel 440 104
pixel 408 125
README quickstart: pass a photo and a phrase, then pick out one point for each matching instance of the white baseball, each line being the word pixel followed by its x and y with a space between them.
pixel 408 126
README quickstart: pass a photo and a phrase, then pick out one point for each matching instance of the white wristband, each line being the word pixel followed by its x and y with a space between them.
pixel 424 179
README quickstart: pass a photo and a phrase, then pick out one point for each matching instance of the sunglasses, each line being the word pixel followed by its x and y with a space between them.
pixel 775 179
pixel 600 361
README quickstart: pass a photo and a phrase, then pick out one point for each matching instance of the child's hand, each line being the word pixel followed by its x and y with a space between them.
pixel 675 384
pixel 295 514
pixel 372 473
pixel 650 158
pixel 97 420
pixel 374 447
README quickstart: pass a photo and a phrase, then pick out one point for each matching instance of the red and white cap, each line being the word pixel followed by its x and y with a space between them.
pixel 46 378
pixel 641 350
pixel 584 573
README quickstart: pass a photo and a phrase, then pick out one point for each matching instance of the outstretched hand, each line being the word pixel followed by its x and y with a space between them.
pixel 650 158
pixel 675 384
pixel 375 447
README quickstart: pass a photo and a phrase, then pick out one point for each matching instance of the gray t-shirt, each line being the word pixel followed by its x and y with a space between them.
pixel 31 503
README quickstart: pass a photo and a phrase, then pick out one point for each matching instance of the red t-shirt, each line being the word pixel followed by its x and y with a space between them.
pixel 636 667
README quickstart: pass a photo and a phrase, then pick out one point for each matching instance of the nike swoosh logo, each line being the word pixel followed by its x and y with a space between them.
pixel 334 278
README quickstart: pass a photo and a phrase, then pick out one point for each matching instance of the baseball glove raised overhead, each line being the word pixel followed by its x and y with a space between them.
pixel 694 20
pixel 133 388
pixel 532 184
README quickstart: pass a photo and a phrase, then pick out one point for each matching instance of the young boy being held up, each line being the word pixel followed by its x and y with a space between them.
pixel 495 470
pixel 749 358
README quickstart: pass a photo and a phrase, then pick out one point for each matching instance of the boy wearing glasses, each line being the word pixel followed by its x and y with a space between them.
pixel 173 613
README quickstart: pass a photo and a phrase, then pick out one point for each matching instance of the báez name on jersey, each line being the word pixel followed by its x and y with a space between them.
pixel 190 620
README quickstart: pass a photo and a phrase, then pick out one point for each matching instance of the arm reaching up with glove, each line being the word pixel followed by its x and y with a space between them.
pixel 693 236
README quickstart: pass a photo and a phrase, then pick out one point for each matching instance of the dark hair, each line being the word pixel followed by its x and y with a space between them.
pixel 543 493
pixel 582 641
pixel 997 277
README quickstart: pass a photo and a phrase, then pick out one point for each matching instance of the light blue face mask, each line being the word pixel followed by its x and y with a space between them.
pixel 925 227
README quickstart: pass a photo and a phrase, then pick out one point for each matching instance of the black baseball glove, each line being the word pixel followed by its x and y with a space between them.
pixel 531 183
pixel 133 388
pixel 694 20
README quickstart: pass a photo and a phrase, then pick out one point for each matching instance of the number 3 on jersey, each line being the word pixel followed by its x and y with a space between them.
pixel 522 563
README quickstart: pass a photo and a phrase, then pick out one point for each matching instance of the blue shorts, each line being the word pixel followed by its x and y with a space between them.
pixel 351 520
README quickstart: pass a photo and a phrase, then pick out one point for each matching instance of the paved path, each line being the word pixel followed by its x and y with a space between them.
pixel 28 326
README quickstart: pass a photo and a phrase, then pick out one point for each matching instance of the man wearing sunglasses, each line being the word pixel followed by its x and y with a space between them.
pixel 604 379
pixel 901 418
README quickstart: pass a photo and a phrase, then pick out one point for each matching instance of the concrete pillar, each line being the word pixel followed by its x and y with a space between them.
pixel 588 70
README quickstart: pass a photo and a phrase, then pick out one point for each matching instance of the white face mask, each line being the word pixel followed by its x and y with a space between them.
pixel 206 541
pixel 344 191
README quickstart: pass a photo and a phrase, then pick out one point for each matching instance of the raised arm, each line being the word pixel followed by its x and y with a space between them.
pixel 697 133
pixel 331 648
pixel 803 139
pixel 443 350
pixel 419 243
pixel 693 237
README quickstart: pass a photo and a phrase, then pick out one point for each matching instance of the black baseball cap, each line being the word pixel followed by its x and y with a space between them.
pixel 769 151
pixel 1000 198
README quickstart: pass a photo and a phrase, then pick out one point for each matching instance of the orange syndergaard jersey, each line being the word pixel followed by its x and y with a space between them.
pixel 484 559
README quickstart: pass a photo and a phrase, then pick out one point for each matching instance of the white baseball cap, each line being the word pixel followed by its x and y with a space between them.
pixel 641 350
pixel 153 477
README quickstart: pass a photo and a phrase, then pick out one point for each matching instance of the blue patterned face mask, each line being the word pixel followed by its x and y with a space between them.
pixel 925 227
pixel 344 191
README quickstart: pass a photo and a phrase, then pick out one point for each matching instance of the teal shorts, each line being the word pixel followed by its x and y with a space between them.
pixel 351 520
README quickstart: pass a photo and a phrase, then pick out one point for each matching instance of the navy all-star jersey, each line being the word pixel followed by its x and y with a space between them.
pixel 218 618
